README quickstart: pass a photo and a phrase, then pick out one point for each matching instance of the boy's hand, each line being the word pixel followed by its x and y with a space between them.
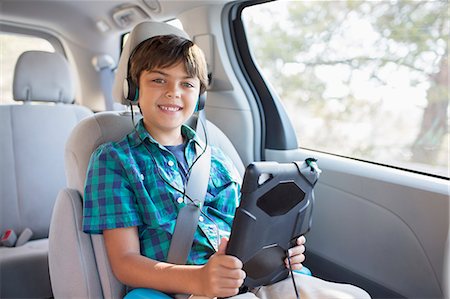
pixel 296 254
pixel 222 275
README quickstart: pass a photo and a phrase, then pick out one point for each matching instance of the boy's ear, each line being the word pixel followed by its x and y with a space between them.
pixel 130 90
pixel 201 102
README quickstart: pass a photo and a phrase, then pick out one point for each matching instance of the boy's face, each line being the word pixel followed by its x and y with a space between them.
pixel 167 97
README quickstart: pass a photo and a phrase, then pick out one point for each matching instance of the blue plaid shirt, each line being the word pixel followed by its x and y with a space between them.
pixel 126 186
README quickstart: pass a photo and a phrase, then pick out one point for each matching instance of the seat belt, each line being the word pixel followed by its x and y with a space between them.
pixel 196 187
pixel 104 64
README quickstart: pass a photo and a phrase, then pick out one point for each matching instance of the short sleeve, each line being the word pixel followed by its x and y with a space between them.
pixel 109 201
pixel 226 182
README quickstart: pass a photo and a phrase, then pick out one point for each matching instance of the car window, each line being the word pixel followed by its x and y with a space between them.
pixel 360 79
pixel 12 45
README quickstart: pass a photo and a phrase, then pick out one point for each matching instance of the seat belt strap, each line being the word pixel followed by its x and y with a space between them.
pixel 196 187
pixel 104 64
pixel 106 82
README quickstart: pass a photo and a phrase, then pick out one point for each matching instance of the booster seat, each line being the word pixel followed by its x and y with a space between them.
pixel 79 266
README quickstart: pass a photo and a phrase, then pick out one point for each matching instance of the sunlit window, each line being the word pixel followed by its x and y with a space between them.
pixel 362 79
pixel 12 45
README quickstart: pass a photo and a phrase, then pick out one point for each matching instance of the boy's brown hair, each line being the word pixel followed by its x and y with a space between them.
pixel 167 50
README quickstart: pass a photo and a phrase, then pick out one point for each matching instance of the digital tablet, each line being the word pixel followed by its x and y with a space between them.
pixel 276 206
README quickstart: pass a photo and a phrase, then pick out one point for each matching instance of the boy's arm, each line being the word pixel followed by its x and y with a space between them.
pixel 220 277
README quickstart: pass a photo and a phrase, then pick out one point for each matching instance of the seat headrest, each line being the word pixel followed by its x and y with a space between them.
pixel 140 33
pixel 44 77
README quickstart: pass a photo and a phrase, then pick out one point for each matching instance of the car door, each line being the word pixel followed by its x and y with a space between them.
pixel 362 87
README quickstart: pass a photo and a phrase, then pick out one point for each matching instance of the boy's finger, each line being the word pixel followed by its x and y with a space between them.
pixel 295 259
pixel 223 246
pixel 296 250
pixel 301 240
pixel 231 262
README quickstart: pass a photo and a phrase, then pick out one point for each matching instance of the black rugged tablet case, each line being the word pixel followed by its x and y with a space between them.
pixel 275 209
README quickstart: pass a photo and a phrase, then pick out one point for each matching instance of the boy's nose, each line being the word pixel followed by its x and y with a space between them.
pixel 172 91
pixel 171 95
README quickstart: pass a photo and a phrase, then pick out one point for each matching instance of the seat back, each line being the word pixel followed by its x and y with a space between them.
pixel 32 165
pixel 78 264
pixel 79 267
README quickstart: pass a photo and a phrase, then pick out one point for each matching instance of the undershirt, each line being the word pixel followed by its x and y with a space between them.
pixel 178 151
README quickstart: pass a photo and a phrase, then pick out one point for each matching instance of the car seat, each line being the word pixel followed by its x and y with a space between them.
pixel 32 166
pixel 79 266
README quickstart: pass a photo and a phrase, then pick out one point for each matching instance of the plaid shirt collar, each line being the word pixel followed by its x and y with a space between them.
pixel 140 134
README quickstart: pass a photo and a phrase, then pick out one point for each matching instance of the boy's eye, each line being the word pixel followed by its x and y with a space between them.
pixel 187 84
pixel 158 80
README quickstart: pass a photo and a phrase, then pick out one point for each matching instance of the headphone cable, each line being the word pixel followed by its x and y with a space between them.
pixel 297 295
pixel 216 226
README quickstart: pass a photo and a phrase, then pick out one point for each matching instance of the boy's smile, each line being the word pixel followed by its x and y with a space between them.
pixel 167 98
pixel 170 108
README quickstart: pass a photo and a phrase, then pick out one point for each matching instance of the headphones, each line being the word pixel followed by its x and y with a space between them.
pixel 130 90
pixel 201 102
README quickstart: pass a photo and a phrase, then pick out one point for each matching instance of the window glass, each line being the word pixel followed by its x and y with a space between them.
pixel 11 46
pixel 361 79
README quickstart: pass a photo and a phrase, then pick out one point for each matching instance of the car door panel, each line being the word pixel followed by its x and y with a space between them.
pixel 386 225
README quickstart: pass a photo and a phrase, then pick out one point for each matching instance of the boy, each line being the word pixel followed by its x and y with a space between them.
pixel 135 187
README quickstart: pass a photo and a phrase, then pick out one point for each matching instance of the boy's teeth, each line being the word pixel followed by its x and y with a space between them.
pixel 169 108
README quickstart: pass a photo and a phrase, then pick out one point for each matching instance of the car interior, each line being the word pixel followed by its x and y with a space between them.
pixel 381 226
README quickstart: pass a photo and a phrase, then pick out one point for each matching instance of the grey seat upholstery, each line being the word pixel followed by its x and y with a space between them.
pixel 33 137
pixel 79 267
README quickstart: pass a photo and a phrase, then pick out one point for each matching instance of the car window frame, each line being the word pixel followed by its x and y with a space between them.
pixel 279 131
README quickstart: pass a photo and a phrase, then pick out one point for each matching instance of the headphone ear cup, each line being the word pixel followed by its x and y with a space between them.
pixel 201 102
pixel 130 90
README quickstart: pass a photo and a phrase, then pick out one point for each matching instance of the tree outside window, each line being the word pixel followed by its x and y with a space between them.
pixel 363 79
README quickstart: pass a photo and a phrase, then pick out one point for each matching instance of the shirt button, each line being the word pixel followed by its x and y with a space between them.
pixel 170 163
pixel 201 219
pixel 180 200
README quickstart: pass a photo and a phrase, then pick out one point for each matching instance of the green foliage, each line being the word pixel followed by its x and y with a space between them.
pixel 359 41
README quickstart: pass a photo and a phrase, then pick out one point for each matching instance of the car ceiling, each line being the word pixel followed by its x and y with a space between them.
pixel 86 18
pixel 75 24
